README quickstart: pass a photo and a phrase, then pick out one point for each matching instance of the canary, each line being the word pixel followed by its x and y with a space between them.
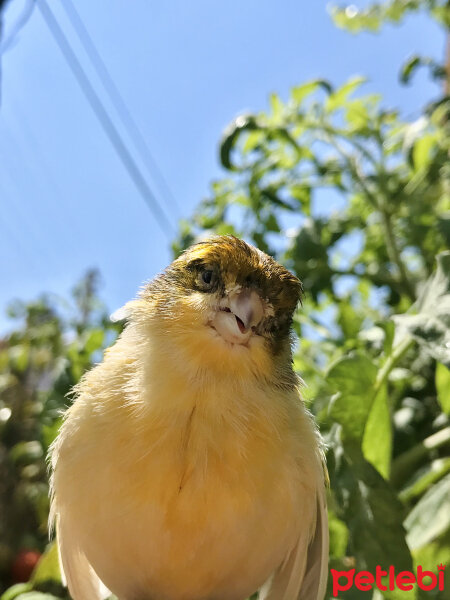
pixel 187 467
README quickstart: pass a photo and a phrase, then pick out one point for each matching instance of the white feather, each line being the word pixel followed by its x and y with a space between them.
pixel 81 579
pixel 120 314
pixel 303 575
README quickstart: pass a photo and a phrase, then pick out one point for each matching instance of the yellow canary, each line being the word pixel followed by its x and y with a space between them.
pixel 188 467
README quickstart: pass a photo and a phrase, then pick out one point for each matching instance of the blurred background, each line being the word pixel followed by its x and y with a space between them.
pixel 320 134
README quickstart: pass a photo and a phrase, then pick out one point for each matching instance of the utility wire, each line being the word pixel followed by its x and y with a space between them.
pixel 21 21
pixel 117 100
pixel 105 120
pixel 19 24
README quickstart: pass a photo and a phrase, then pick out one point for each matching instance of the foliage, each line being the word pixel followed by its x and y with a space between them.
pixel 374 16
pixel 377 14
pixel 355 200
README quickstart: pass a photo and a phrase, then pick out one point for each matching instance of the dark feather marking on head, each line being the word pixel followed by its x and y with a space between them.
pixel 250 267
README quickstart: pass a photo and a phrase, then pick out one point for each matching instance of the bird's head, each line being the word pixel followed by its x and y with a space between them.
pixel 227 302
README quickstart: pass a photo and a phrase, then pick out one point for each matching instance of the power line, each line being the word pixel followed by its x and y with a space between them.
pixel 117 100
pixel 105 120
pixel 21 21
pixel 19 24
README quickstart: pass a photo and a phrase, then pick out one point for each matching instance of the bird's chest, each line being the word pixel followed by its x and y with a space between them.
pixel 201 468
pixel 194 496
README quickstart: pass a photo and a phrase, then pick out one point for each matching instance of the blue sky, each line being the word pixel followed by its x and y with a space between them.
pixel 185 70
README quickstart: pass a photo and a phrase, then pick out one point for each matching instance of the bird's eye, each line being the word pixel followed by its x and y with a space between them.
pixel 207 276
pixel 207 279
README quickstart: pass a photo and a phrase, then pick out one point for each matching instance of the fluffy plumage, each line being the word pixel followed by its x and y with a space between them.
pixel 188 467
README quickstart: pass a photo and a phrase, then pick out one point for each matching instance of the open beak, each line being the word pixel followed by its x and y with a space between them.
pixel 247 308
pixel 238 314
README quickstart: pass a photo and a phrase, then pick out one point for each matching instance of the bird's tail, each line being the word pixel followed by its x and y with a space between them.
pixel 81 579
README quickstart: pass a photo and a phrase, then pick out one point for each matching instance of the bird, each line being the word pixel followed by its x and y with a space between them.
pixel 187 466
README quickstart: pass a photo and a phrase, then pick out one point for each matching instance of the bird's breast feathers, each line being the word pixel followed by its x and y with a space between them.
pixel 184 473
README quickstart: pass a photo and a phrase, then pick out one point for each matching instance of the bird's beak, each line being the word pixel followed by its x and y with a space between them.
pixel 247 307
pixel 238 313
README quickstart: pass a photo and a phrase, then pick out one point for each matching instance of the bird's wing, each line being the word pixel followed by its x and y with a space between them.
pixel 303 576
pixel 81 579
pixel 315 580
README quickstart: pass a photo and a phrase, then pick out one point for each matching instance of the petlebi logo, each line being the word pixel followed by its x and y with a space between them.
pixel 387 580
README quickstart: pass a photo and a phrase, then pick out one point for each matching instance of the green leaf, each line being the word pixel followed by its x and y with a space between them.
pixel 271 223
pixel 252 140
pixel 422 151
pixel 14 591
pixel 373 16
pixel 430 325
pixel 389 333
pixel 430 516
pixel 47 567
pixel 230 137
pixel 349 320
pixel 338 98
pixel 338 535
pixel 436 70
pixel 377 440
pixel 371 511
pixel 409 68
pixel 443 387
pixel 425 478
pixel 302 193
pixel 226 229
pixel 94 340
pixel 277 109
pixel 357 114
pixel 352 378
pixel 442 14
pixel 300 92
pixel 354 20
pixel 431 555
